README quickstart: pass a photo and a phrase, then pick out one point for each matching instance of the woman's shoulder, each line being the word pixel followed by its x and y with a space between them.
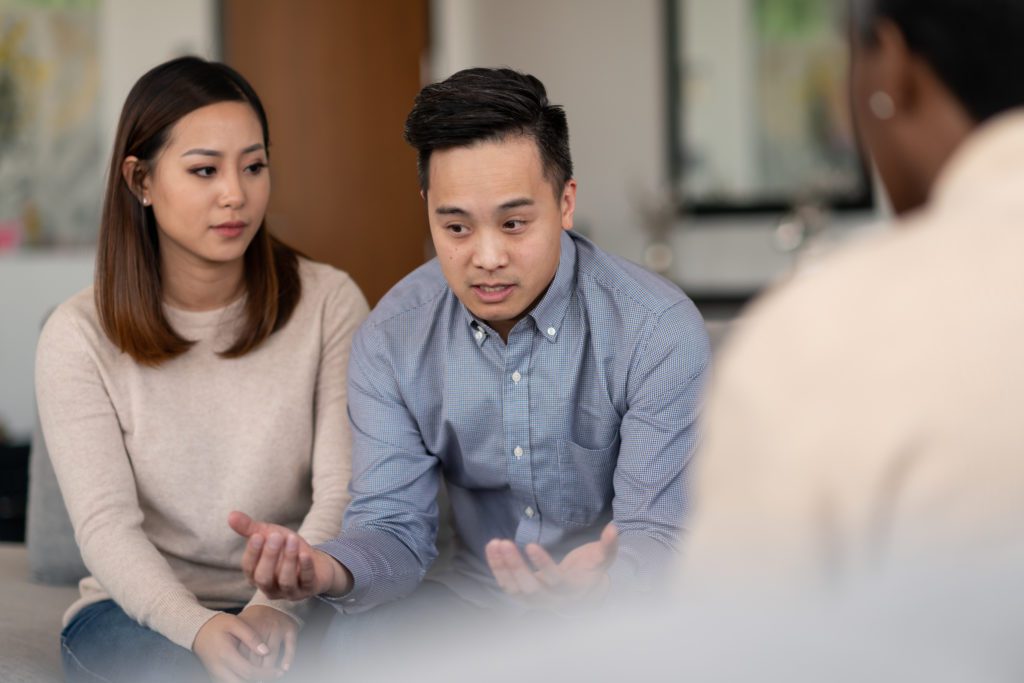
pixel 78 311
pixel 322 282
pixel 73 323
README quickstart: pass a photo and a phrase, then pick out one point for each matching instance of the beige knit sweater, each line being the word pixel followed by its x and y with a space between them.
pixel 151 460
pixel 866 418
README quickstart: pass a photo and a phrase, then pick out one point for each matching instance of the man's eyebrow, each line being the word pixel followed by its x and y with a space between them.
pixel 199 151
pixel 450 211
pixel 516 203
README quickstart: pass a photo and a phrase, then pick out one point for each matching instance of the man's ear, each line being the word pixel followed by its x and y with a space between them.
pixel 136 177
pixel 568 204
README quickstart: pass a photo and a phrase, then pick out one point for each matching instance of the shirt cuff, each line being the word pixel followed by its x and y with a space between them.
pixel 350 555
pixel 640 566
pixel 382 567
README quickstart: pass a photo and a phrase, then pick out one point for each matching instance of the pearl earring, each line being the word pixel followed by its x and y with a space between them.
pixel 882 105
pixel 145 201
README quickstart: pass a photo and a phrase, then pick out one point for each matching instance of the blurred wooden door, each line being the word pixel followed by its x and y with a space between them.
pixel 338 78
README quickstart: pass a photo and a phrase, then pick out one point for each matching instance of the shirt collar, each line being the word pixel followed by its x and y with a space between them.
pixel 549 312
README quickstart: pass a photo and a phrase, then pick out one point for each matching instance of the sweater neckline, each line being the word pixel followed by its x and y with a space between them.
pixel 181 318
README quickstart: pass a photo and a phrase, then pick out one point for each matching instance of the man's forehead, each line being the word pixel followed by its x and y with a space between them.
pixel 517 148
pixel 499 169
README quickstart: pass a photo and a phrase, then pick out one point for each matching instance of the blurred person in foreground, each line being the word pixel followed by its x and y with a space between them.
pixel 866 417
pixel 554 387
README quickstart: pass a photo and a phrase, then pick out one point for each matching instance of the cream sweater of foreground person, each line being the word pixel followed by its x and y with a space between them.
pixel 151 460
pixel 867 417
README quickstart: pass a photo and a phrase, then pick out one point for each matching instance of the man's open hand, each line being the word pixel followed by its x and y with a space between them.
pixel 581 575
pixel 281 564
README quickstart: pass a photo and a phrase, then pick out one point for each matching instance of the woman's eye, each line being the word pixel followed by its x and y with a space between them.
pixel 256 168
pixel 204 171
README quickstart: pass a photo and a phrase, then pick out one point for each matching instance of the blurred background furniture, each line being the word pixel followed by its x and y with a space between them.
pixel 37 579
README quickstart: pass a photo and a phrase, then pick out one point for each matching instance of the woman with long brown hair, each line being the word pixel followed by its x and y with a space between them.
pixel 203 372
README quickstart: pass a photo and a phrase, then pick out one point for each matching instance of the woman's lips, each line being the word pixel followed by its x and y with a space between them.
pixel 230 229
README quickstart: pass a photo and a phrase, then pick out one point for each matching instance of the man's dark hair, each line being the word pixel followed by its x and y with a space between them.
pixel 976 47
pixel 481 105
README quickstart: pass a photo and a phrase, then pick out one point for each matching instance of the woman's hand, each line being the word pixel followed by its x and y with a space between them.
pixel 278 631
pixel 219 644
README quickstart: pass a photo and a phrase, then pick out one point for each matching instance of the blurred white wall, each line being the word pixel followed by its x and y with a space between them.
pixel 135 35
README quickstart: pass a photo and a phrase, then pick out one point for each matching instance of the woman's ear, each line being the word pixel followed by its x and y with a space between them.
pixel 133 170
pixel 896 69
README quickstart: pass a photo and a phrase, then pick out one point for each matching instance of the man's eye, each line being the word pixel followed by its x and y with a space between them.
pixel 513 224
pixel 456 229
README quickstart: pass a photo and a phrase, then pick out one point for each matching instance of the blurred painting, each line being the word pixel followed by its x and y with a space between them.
pixel 51 165
pixel 764 116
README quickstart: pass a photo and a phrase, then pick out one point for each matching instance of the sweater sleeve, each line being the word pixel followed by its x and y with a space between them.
pixel 83 435
pixel 344 309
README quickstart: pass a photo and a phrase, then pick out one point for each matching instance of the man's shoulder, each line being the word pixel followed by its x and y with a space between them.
pixel 615 281
pixel 414 297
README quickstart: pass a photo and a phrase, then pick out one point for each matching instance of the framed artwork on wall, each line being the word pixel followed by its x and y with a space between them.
pixel 759 117
pixel 51 164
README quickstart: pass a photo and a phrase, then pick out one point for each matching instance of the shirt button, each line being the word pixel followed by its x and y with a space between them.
pixel 479 335
pixel 518 450
pixel 529 512
pixel 516 377
pixel 551 332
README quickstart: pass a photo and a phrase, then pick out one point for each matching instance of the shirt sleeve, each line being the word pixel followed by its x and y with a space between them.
pixel 83 436
pixel 388 542
pixel 659 434
pixel 345 309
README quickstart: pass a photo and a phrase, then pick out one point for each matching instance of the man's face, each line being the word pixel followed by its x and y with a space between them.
pixel 496 222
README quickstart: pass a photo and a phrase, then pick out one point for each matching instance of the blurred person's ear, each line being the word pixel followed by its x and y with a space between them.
pixel 910 120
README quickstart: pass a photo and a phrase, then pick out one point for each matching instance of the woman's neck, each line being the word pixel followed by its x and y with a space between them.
pixel 193 285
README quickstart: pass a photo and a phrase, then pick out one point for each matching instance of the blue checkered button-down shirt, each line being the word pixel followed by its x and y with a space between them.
pixel 586 415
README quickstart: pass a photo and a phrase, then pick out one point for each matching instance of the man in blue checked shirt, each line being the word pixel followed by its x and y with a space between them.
pixel 555 388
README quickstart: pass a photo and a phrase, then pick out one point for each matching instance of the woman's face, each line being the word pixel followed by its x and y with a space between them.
pixel 209 185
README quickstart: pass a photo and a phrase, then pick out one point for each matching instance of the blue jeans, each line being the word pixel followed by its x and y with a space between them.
pixel 102 643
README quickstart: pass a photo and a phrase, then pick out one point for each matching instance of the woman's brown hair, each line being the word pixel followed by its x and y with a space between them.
pixel 128 289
